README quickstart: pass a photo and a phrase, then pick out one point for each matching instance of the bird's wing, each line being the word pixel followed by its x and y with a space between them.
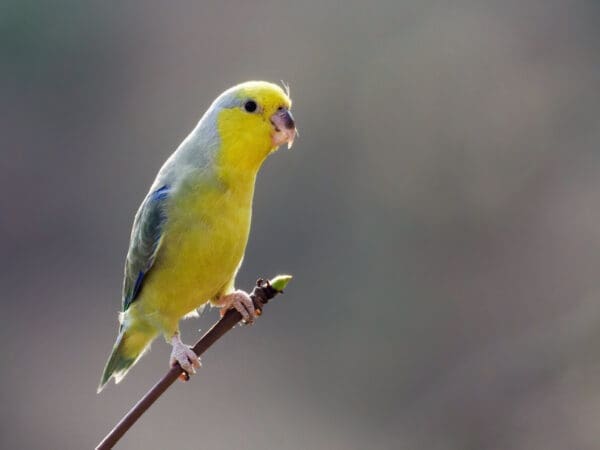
pixel 146 237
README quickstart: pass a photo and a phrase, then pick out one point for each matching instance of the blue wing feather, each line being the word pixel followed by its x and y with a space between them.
pixel 145 241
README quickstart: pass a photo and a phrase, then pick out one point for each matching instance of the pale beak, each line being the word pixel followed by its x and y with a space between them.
pixel 284 128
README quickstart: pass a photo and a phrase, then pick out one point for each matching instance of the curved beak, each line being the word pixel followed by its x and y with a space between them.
pixel 284 128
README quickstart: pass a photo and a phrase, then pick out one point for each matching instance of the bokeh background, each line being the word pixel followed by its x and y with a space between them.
pixel 439 213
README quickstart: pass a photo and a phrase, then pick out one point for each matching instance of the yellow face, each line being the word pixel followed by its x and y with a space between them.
pixel 253 121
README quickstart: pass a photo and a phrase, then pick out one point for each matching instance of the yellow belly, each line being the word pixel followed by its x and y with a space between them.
pixel 204 240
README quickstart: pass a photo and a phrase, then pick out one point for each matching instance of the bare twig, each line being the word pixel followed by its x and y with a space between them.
pixel 262 293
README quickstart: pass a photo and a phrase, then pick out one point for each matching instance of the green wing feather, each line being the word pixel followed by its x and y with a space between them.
pixel 146 236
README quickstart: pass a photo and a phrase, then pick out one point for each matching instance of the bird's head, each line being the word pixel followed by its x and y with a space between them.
pixel 252 119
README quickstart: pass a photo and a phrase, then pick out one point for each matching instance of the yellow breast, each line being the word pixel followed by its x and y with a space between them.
pixel 203 244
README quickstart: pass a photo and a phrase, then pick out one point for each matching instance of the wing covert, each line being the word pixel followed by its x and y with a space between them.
pixel 146 236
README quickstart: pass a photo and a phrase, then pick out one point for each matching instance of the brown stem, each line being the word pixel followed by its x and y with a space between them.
pixel 260 295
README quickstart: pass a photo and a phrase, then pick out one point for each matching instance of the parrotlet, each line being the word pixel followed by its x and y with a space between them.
pixel 190 232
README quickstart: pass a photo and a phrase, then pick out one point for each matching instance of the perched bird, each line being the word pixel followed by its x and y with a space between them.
pixel 190 232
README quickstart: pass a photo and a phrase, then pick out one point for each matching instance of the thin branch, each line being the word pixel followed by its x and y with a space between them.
pixel 262 293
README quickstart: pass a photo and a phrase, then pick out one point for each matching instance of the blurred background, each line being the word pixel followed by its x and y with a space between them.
pixel 439 213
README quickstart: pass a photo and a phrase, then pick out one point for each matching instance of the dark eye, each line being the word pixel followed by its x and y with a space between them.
pixel 250 106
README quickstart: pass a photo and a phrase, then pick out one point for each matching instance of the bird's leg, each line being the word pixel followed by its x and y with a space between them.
pixel 240 301
pixel 185 356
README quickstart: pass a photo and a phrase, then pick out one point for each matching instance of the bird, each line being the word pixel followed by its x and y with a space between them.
pixel 190 232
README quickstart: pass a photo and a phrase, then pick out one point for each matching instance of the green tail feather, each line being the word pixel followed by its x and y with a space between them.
pixel 118 363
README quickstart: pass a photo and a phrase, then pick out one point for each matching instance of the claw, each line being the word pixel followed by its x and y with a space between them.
pixel 185 357
pixel 241 302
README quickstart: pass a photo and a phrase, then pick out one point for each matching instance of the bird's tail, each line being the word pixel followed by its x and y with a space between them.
pixel 128 349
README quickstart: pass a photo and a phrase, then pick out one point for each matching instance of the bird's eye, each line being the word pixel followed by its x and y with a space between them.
pixel 250 106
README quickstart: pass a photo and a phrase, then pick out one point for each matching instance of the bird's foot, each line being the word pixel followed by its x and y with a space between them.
pixel 185 356
pixel 240 301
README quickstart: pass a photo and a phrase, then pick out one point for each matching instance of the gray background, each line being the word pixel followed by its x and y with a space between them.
pixel 439 213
